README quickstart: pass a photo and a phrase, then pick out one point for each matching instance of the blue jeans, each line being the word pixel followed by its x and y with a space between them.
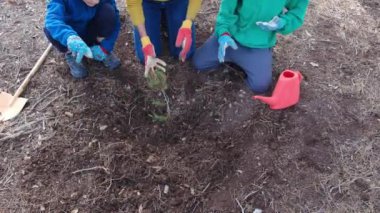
pixel 256 63
pixel 175 13
pixel 102 25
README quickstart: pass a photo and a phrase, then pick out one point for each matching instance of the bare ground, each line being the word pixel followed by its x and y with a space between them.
pixel 91 145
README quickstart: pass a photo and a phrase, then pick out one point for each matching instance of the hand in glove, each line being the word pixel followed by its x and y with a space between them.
pixel 276 23
pixel 225 41
pixel 148 48
pixel 99 53
pixel 184 39
pixel 78 48
pixel 151 62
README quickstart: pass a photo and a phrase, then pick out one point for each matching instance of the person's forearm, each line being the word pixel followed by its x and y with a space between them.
pixel 193 8
pixel 55 24
pixel 142 30
pixel 295 16
pixel 226 16
pixel 135 10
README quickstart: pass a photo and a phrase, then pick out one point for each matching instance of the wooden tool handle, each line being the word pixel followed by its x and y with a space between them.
pixel 31 73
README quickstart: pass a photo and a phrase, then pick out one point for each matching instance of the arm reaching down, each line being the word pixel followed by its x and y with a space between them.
pixel 295 15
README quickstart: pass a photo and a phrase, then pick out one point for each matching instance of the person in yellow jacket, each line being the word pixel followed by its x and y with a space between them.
pixel 146 16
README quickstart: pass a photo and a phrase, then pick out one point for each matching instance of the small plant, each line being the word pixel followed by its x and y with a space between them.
pixel 159 118
pixel 158 103
pixel 157 81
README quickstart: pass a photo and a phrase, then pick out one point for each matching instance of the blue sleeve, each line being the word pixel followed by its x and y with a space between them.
pixel 55 22
pixel 109 42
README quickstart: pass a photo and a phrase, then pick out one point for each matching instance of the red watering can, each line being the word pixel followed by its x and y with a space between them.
pixel 287 91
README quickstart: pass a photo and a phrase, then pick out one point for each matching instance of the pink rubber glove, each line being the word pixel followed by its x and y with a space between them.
pixel 184 39
pixel 148 48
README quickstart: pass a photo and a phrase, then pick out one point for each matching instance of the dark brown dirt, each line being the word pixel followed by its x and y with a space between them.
pixel 219 149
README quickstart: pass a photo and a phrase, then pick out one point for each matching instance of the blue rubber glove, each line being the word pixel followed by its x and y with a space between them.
pixel 78 48
pixel 225 41
pixel 276 23
pixel 98 53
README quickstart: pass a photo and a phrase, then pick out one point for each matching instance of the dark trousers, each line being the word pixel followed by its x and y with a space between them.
pixel 256 63
pixel 175 13
pixel 102 25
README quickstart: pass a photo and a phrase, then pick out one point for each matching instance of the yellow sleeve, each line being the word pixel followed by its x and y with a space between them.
pixel 192 10
pixel 135 10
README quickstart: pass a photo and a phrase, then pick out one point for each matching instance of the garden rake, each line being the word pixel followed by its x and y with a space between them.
pixel 11 106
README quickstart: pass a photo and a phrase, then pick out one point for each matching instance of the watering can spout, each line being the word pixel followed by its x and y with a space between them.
pixel 267 100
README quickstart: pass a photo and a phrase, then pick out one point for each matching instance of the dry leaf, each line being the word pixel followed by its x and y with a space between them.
pixel 103 127
pixel 151 159
pixel 69 114
pixel 166 189
pixel 157 168
pixel 314 64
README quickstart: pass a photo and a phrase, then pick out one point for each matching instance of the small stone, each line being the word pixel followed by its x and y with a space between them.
pixel 166 189
pixel 192 191
pixel 314 64
pixel 52 61
pixel 157 168
pixel 69 114
pixel 74 210
pixel 73 195
pixel 307 33
pixel 103 127
pixel 151 159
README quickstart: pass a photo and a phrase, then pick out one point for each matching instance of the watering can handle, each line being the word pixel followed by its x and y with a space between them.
pixel 31 73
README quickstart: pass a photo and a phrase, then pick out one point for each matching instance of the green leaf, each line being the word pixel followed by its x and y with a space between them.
pixel 159 118
pixel 158 103
pixel 157 80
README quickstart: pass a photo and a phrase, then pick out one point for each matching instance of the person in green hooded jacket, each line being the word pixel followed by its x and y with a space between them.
pixel 245 34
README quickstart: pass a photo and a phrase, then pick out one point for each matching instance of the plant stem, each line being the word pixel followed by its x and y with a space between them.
pixel 167 102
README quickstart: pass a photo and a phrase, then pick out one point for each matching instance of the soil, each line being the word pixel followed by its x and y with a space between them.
pixel 92 146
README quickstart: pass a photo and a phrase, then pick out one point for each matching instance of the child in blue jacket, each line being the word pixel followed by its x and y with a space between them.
pixel 83 28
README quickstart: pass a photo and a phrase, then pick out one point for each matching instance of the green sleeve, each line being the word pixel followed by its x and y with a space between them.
pixel 226 16
pixel 295 15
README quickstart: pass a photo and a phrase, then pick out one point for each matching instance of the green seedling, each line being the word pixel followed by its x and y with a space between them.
pixel 157 80
pixel 158 103
pixel 159 118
